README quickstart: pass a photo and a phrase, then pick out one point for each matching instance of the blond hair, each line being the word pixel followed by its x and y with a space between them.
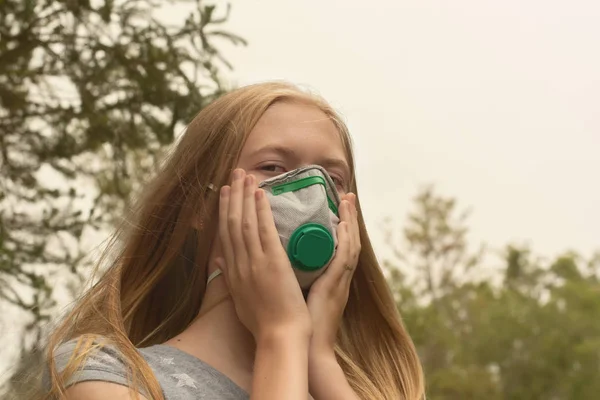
pixel 152 291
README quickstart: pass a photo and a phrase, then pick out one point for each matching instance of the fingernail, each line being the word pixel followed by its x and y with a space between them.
pixel 225 191
pixel 249 180
pixel 259 194
pixel 238 173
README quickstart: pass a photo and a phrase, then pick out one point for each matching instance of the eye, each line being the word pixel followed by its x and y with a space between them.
pixel 339 182
pixel 272 168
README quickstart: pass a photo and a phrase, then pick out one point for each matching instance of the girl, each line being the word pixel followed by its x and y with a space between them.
pixel 156 327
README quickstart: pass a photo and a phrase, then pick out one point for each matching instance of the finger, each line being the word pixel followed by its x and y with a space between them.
pixel 266 225
pixel 353 209
pixel 341 261
pixel 348 219
pixel 355 226
pixel 355 239
pixel 332 281
pixel 352 257
pixel 234 220
pixel 249 219
pixel 344 211
pixel 347 265
pixel 223 227
pixel 346 214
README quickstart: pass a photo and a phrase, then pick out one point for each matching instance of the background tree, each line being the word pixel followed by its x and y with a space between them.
pixel 90 93
pixel 529 330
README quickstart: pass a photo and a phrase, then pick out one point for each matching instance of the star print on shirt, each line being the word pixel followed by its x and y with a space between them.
pixel 166 361
pixel 184 380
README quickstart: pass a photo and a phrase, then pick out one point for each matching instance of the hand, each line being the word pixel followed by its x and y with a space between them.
pixel 266 294
pixel 329 294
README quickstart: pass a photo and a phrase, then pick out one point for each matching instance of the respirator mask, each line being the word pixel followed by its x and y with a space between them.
pixel 304 203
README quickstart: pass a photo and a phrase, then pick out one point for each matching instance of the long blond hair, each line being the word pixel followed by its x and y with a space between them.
pixel 155 283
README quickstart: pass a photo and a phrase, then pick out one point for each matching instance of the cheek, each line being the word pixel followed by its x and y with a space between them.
pixel 260 175
pixel 342 190
pixel 251 170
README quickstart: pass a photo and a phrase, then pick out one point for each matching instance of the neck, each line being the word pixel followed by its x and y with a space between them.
pixel 218 338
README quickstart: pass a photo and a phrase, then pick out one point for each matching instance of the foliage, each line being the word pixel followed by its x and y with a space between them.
pixel 532 334
pixel 90 93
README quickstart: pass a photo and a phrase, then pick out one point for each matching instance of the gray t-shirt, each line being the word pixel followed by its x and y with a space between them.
pixel 181 375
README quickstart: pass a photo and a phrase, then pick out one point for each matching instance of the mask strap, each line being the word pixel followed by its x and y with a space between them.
pixel 212 276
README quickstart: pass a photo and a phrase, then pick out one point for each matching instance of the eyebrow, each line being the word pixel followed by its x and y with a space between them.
pixel 290 153
pixel 282 150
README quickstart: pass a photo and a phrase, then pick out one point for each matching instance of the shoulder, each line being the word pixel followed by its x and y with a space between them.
pixel 94 390
pixel 102 373
pixel 184 376
pixel 90 355
pixel 93 369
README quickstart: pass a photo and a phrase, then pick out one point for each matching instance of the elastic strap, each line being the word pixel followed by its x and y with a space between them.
pixel 212 276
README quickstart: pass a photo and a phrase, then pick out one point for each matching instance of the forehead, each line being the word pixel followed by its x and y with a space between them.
pixel 303 128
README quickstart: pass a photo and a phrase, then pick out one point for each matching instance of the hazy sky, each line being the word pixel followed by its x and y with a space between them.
pixel 495 102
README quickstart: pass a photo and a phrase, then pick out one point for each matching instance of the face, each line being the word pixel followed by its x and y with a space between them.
pixel 293 135
pixel 286 137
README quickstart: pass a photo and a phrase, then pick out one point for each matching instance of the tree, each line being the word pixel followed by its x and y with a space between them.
pixel 436 244
pixel 90 93
pixel 530 331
